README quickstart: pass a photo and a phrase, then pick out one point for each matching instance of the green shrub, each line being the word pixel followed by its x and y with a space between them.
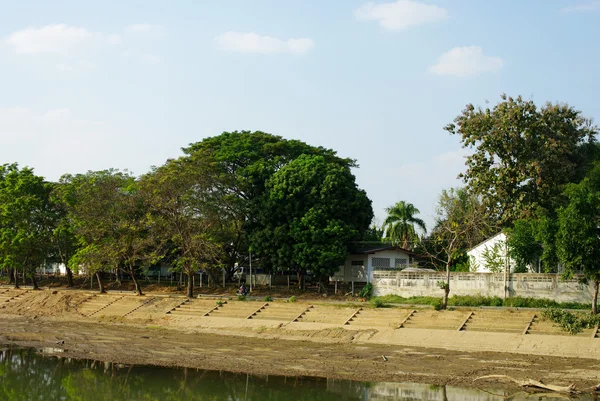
pixel 378 303
pixel 291 299
pixel 569 321
pixel 242 298
pixel 437 304
pixel 219 303
pixel 268 298
pixel 367 291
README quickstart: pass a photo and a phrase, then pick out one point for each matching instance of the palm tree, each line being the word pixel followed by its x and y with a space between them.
pixel 399 225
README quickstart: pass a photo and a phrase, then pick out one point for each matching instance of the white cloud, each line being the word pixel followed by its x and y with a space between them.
pixel 466 61
pixel 144 28
pixel 250 42
pixel 78 66
pixel 56 141
pixel 59 39
pixel 582 7
pixel 150 58
pixel 401 15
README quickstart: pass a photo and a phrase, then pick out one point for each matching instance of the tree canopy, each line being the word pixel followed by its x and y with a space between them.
pixel 184 214
pixel 399 225
pixel 577 238
pixel 25 229
pixel 312 210
pixel 524 155
pixel 461 223
pixel 295 205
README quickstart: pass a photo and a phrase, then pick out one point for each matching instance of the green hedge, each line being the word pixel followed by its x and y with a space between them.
pixel 478 300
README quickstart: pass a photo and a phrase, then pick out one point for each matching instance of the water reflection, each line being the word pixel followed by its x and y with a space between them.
pixel 26 375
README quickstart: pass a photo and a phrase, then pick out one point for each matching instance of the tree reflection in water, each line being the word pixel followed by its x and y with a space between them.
pixel 28 376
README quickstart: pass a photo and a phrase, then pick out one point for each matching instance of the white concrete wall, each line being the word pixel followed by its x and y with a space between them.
pixel 533 285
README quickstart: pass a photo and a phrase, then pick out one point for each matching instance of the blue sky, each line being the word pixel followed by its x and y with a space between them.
pixel 88 85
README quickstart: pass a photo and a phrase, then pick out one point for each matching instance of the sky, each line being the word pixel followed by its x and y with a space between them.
pixel 90 85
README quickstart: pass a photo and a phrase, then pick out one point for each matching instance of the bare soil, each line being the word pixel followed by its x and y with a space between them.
pixel 51 319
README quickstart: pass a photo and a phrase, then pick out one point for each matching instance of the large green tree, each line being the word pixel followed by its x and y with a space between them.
pixel 108 218
pixel 312 211
pixel 243 163
pixel 25 232
pixel 186 214
pixel 64 241
pixel 399 225
pixel 523 155
pixel 578 236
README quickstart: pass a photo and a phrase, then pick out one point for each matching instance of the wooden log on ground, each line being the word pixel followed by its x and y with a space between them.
pixel 529 383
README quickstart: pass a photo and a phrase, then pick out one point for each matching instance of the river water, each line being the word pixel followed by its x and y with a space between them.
pixel 29 375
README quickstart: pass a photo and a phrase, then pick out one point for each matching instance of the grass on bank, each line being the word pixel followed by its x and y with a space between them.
pixel 477 300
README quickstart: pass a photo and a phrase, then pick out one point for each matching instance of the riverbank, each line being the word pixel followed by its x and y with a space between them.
pixel 138 330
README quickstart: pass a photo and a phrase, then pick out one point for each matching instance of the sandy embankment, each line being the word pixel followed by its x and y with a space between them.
pixel 262 339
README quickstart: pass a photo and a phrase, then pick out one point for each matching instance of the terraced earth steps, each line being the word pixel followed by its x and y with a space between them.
pixel 240 310
pixel 498 321
pixel 529 323
pixel 12 295
pixel 97 304
pixel 155 308
pixel 428 319
pixel 352 316
pixel 462 325
pixel 327 314
pixel 177 306
pixel 88 298
pixel 304 312
pixel 122 306
pixel 388 317
pixel 196 308
pixel 406 319
pixel 259 310
pixel 283 312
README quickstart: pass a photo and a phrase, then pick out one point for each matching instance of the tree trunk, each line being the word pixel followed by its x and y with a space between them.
pixel 190 286
pixel 100 284
pixel 138 288
pixel 595 297
pixel 16 277
pixel 446 288
pixel 70 278
pixel 11 275
pixel 301 278
pixel 34 282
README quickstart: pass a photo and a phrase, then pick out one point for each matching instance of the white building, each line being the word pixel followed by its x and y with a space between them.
pixel 492 248
pixel 360 264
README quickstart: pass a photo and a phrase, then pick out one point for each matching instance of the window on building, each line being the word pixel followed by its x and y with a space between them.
pixel 357 263
pixel 400 263
pixel 381 263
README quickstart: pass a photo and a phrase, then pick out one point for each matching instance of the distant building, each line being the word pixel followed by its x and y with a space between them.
pixel 361 262
pixel 491 255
